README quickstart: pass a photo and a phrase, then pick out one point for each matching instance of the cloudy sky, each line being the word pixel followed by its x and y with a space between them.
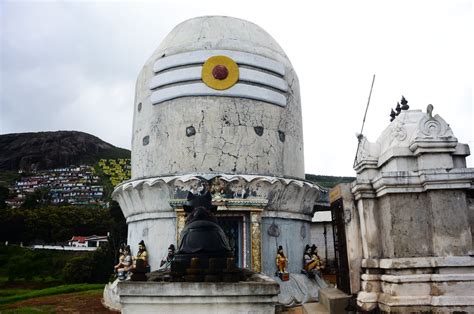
pixel 72 65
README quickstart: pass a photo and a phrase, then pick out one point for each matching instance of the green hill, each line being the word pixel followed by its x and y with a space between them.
pixel 49 150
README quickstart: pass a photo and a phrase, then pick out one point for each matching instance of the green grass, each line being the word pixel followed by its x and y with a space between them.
pixel 10 292
pixel 50 291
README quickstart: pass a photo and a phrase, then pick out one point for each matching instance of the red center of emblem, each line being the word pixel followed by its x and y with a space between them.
pixel 220 72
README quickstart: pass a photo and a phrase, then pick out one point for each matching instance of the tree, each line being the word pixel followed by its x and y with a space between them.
pixel 118 228
pixel 4 195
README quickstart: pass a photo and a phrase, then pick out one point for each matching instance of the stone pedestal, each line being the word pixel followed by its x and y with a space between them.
pixel 420 284
pixel 259 295
pixel 410 195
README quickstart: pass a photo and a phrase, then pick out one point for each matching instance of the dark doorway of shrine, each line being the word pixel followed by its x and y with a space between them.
pixel 233 229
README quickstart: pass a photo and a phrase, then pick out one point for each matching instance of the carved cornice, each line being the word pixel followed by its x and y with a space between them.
pixel 418 262
pixel 151 181
pixel 162 194
pixel 366 164
pixel 433 145
pixel 413 182
pixel 226 203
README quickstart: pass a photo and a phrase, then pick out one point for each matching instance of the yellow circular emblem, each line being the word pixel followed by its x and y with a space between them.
pixel 220 72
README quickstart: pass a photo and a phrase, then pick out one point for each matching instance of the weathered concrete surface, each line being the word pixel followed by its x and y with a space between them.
pixel 403 219
pixel 225 139
pixel 415 220
pixel 293 237
pixel 258 295
pixel 452 235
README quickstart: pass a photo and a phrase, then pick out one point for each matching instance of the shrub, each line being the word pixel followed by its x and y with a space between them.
pixel 94 267
pixel 78 269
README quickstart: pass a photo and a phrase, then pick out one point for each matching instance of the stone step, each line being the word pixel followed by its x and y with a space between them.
pixel 334 300
pixel 314 308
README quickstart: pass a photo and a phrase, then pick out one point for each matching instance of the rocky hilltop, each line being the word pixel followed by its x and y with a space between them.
pixel 48 150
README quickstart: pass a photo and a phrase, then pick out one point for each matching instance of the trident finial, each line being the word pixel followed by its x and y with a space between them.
pixel 429 111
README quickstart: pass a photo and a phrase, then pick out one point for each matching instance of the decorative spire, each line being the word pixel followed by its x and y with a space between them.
pixel 398 108
pixel 404 103
pixel 392 115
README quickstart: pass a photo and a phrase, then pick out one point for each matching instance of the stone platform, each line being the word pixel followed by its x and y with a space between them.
pixel 256 295
pixel 438 284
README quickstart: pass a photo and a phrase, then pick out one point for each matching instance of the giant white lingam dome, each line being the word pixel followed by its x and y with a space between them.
pixel 248 122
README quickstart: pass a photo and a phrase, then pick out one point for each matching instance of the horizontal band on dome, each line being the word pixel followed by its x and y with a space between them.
pixel 179 75
pixel 200 56
pixel 200 89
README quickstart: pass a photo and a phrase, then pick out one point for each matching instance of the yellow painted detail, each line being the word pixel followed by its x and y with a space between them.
pixel 229 81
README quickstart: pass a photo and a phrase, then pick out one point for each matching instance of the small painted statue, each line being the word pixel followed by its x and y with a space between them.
pixel 166 262
pixel 281 264
pixel 125 263
pixel 140 265
pixel 312 263
pixel 141 260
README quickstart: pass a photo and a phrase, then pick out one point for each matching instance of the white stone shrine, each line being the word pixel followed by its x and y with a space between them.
pixel 413 223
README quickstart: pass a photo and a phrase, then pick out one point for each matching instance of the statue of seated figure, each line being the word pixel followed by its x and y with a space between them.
pixel 312 264
pixel 166 262
pixel 125 263
pixel 140 263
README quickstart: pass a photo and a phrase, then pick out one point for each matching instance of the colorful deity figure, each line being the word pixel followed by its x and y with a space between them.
pixel 307 259
pixel 166 262
pixel 142 253
pixel 315 256
pixel 141 260
pixel 124 264
pixel 140 264
pixel 312 263
pixel 281 264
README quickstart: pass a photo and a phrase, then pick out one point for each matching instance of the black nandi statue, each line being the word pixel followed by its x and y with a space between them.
pixel 203 243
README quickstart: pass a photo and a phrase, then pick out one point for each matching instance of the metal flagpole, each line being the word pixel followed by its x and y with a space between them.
pixel 359 136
